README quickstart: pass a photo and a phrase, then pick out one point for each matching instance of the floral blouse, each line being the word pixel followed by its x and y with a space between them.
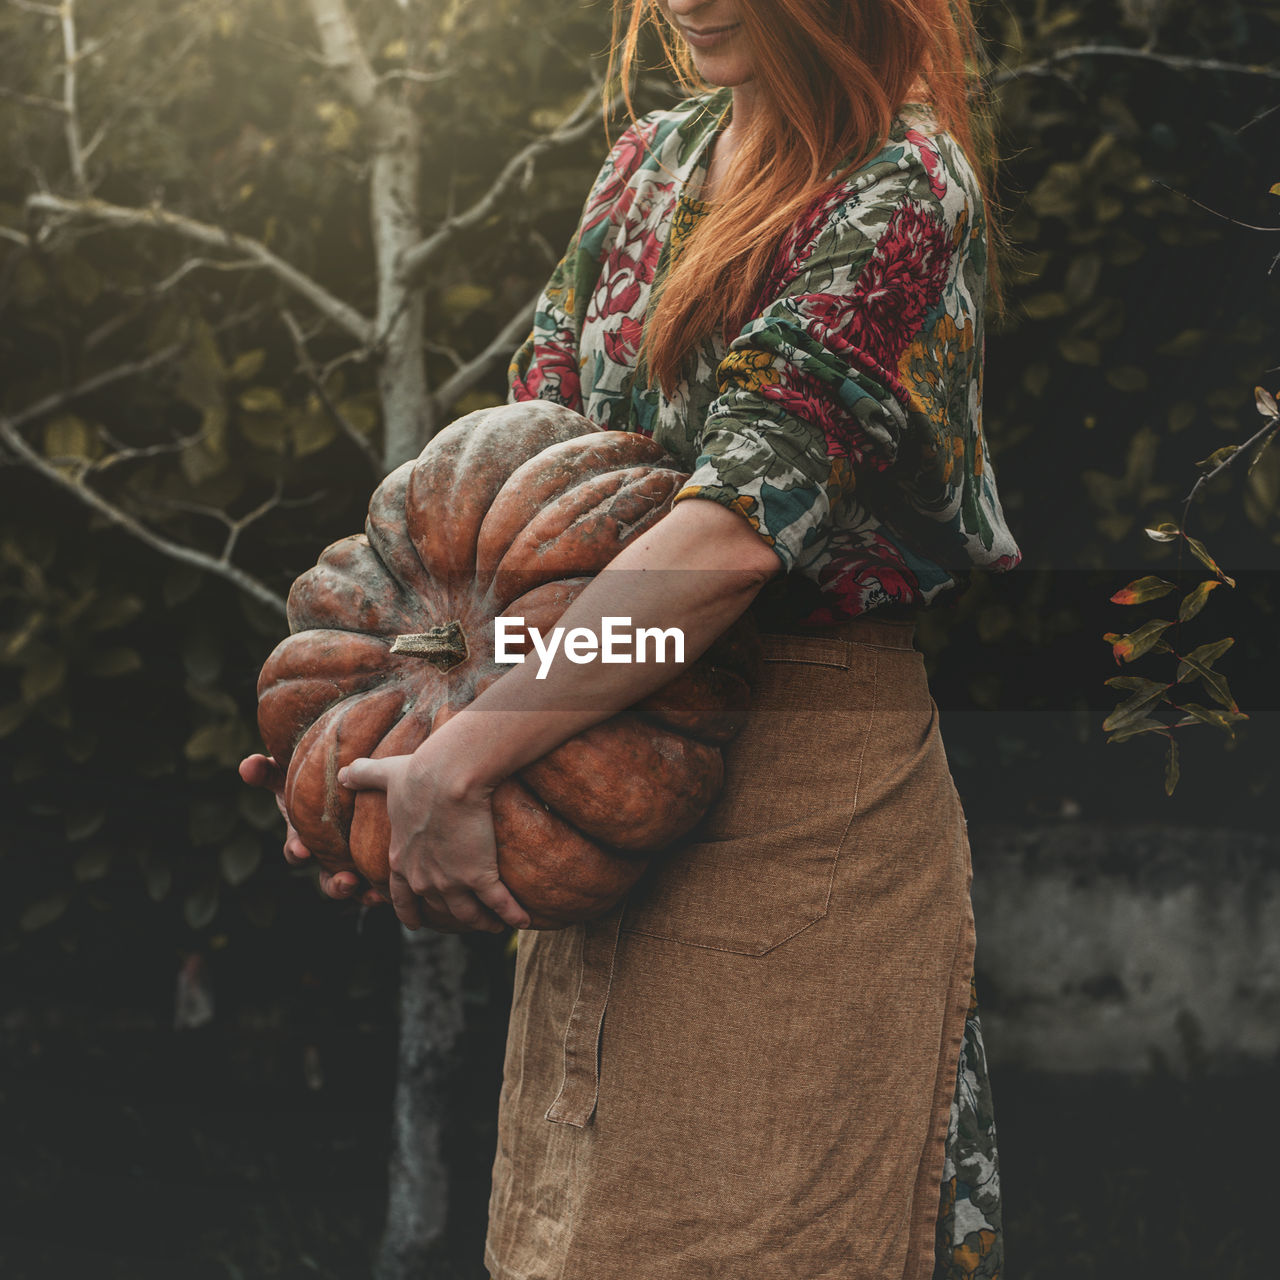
pixel 844 421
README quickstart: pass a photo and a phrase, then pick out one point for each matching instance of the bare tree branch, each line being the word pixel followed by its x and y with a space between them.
pixel 70 71
pixel 344 54
pixel 139 92
pixel 1176 61
pixel 246 582
pixel 1217 213
pixel 581 122
pixel 60 399
pixel 187 267
pixel 32 100
pixel 512 334
pixel 395 204
pixel 213 237
pixel 340 419
pixel 44 10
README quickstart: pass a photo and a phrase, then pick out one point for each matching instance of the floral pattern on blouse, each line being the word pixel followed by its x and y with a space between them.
pixel 844 420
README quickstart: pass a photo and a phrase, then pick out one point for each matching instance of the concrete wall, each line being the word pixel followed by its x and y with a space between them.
pixel 1111 948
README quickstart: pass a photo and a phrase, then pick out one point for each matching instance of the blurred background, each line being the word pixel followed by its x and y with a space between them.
pixel 208 362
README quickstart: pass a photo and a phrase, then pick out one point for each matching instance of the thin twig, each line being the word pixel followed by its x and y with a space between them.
pixel 1231 459
pixel 340 419
pixel 70 69
pixel 246 582
pixel 32 100
pixel 1217 213
pixel 213 237
pixel 187 267
pixel 1175 61
pixel 581 122
pixel 138 93
pixel 500 348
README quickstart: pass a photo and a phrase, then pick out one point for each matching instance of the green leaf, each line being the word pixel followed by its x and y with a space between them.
pixel 1224 720
pixel 1128 377
pixel 115 662
pixel 43 912
pixel 246 364
pixel 1172 770
pixel 1214 682
pixel 1199 551
pixel 1128 647
pixel 159 878
pixel 1195 600
pixel 1136 707
pixel 1208 654
pixel 1044 306
pixel 239 859
pixel 1218 457
pixel 43 676
pixel 201 905
pixel 1138 683
pixel 261 400
pixel 12 718
pixel 1136 727
pixel 1165 532
pixel 1143 589
pixel 82 823
pixel 69 437
pixel 92 865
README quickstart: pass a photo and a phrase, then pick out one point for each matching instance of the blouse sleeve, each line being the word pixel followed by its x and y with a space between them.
pixel 548 365
pixel 847 422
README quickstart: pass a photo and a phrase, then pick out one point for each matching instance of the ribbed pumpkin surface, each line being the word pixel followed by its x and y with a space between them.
pixel 509 511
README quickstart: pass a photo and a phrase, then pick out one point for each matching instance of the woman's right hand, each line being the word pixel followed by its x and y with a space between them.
pixel 262 771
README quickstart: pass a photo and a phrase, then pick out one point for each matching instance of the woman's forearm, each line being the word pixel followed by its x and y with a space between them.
pixel 697 570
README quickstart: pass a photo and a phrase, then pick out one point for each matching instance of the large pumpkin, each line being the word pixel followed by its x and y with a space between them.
pixel 508 512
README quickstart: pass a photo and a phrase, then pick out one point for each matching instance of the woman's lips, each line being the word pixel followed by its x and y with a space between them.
pixel 709 37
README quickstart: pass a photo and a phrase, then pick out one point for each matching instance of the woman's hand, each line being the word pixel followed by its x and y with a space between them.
pixel 442 843
pixel 262 771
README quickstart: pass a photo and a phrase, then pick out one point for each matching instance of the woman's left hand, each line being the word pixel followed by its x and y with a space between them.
pixel 443 849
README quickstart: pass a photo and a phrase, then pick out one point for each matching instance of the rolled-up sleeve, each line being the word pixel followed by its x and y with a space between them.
pixel 809 392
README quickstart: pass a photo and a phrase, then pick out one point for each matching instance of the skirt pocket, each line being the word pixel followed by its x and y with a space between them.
pixel 759 868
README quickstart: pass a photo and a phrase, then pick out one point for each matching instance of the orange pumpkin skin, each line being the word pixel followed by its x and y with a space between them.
pixel 509 511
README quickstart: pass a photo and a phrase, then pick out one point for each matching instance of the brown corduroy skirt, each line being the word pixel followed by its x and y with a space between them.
pixel 746 1070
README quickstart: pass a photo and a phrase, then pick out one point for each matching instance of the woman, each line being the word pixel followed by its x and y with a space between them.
pixel 767 1062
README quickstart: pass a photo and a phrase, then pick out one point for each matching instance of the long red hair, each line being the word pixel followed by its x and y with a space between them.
pixel 830 78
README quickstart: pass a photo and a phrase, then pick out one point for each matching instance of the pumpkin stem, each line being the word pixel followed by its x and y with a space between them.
pixel 443 647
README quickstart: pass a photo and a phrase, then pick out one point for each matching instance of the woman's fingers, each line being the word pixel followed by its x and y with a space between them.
pixel 262 771
pixel 405 902
pixel 468 910
pixel 501 904
pixel 364 775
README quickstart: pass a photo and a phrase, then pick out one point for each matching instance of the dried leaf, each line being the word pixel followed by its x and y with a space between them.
pixel 1165 532
pixel 1136 643
pixel 1195 600
pixel 1266 402
pixel 1143 589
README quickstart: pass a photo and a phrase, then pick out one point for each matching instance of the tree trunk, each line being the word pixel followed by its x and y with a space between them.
pixel 431 973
